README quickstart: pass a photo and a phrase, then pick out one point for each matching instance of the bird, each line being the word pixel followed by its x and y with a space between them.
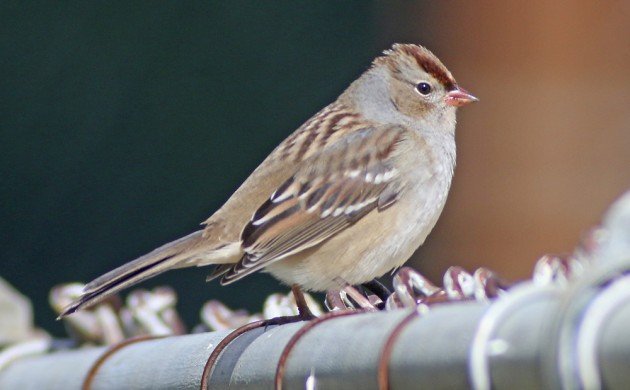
pixel 347 197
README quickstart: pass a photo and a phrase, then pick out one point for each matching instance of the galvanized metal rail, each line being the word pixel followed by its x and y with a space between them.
pixel 505 345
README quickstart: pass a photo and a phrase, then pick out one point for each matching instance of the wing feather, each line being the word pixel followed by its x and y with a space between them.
pixel 329 192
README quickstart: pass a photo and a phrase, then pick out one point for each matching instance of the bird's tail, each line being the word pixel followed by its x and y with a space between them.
pixel 166 257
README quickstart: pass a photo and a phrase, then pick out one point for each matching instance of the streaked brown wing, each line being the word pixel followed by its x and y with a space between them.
pixel 329 192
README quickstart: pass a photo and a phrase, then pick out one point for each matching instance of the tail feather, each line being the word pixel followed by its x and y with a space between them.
pixel 219 270
pixel 153 263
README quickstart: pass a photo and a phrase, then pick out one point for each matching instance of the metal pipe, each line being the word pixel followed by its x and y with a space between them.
pixel 436 350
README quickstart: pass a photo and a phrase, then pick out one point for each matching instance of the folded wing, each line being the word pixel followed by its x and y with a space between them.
pixel 329 192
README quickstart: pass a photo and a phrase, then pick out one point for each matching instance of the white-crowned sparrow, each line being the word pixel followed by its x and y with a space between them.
pixel 347 197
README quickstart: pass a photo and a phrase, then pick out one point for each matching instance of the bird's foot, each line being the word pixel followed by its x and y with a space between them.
pixel 370 296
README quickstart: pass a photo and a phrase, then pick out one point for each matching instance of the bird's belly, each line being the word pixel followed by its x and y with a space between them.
pixel 381 241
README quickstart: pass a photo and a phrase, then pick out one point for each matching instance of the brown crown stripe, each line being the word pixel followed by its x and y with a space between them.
pixel 435 71
pixel 430 64
pixel 423 58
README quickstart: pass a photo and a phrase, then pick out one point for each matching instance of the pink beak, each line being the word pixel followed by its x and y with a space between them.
pixel 459 97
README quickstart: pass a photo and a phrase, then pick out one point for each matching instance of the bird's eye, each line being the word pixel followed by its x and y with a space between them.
pixel 424 88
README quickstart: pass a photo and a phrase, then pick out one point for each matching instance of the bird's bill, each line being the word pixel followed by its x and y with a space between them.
pixel 459 97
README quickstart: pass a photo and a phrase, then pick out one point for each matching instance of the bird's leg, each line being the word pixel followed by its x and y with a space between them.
pixel 304 313
pixel 344 302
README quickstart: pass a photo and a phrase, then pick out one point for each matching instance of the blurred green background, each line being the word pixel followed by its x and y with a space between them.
pixel 124 125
